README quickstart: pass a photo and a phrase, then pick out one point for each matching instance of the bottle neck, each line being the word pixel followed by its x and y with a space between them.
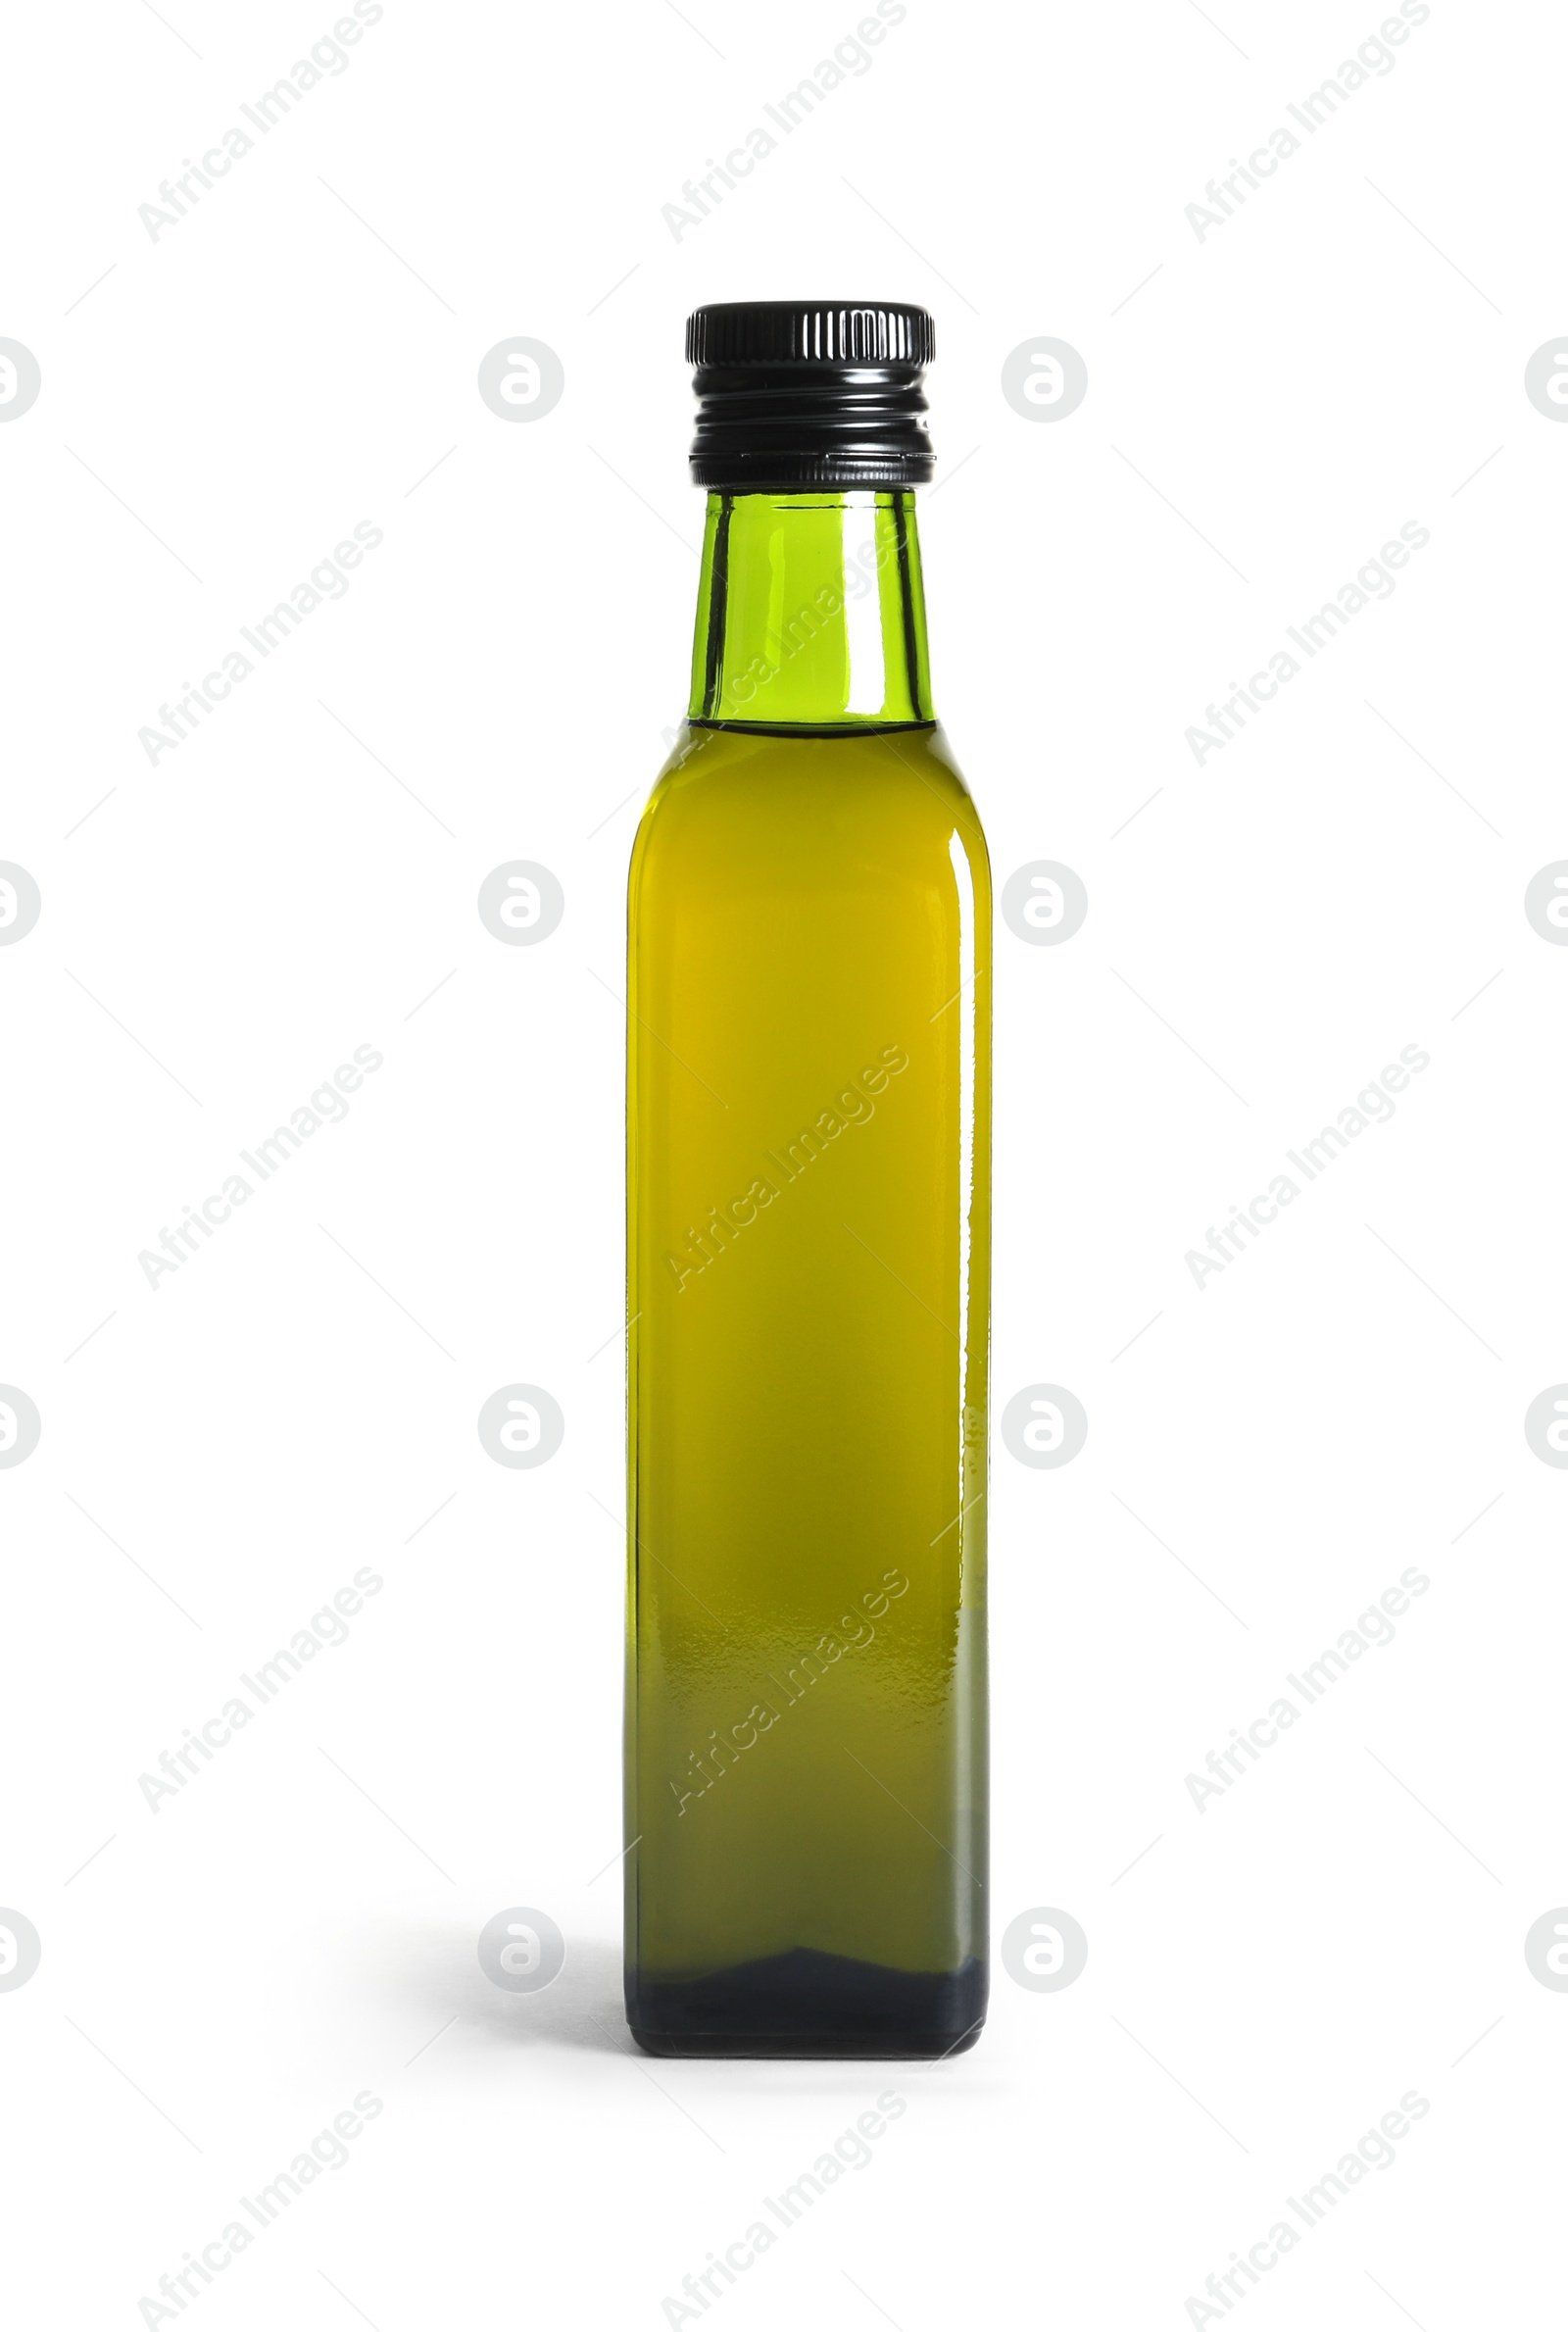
pixel 811 612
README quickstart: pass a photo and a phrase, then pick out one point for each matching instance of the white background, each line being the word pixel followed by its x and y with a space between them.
pixel 218 932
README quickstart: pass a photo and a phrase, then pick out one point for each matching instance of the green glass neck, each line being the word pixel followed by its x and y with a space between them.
pixel 810 611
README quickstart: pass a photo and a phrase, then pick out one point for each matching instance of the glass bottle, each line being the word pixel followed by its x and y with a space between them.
pixel 808 1247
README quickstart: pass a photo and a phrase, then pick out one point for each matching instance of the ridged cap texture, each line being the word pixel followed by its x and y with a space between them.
pixel 799 393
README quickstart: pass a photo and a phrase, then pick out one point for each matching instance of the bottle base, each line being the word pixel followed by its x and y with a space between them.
pixel 835 2049
pixel 810 2005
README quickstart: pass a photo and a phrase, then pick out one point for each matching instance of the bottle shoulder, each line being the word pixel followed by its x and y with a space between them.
pixel 743 826
pixel 770 782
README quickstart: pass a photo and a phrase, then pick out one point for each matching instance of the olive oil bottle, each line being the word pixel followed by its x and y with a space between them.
pixel 808 1246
